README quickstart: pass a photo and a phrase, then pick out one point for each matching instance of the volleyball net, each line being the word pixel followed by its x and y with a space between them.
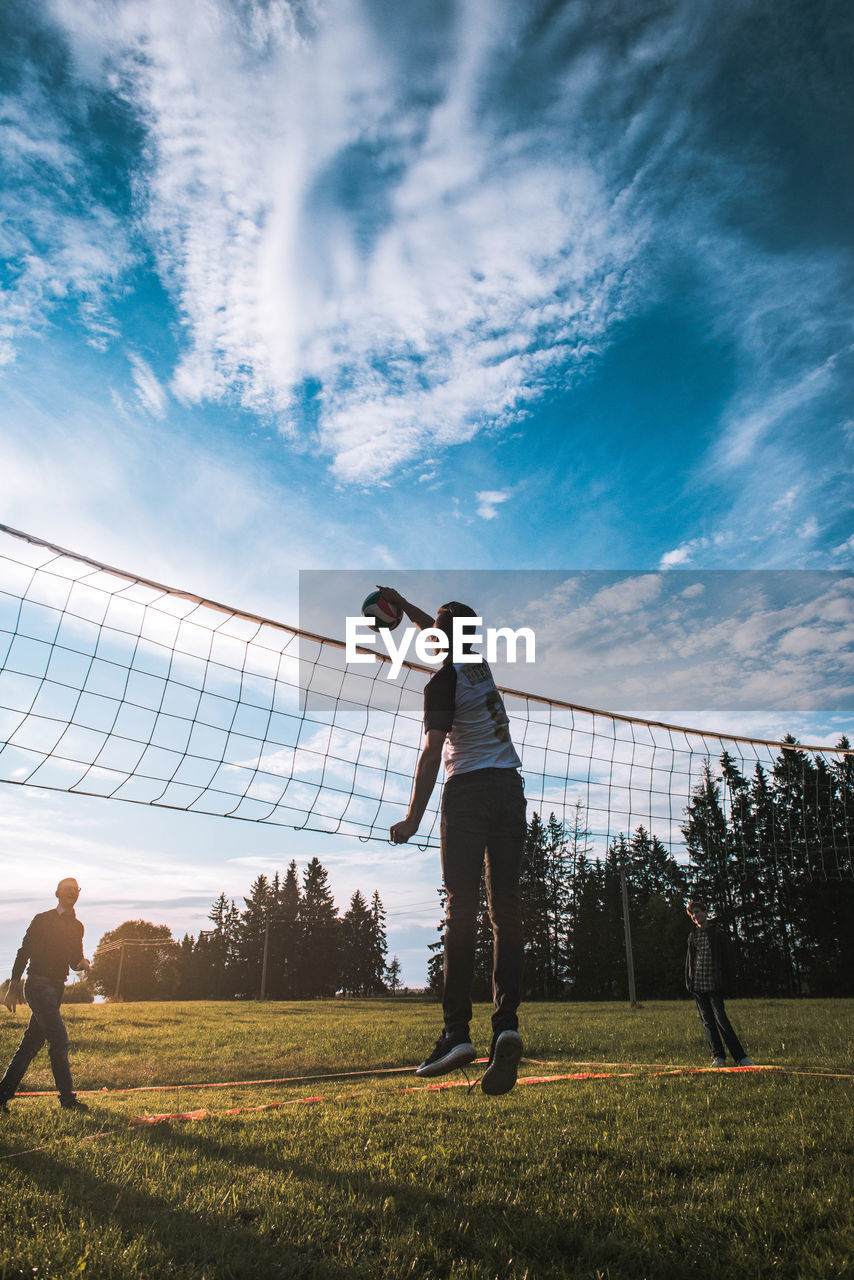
pixel 113 685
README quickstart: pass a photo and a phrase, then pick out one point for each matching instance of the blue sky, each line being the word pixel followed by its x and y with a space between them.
pixel 431 286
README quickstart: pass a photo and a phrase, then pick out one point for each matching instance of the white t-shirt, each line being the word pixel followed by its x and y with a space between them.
pixel 463 700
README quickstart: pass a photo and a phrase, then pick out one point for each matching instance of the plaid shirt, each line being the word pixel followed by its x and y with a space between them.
pixel 709 962
pixel 704 969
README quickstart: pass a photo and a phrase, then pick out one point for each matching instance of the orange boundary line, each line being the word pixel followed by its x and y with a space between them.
pixel 637 1070
pixel 223 1084
pixel 204 1114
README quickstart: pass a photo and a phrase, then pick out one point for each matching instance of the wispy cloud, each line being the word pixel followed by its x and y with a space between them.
pixel 64 247
pixel 425 260
pixel 149 392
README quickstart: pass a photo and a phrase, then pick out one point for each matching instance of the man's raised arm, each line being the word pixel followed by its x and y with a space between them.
pixel 421 619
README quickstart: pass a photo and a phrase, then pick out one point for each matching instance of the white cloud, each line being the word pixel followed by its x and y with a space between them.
pixel 489 500
pixel 679 555
pixel 844 549
pixel 645 644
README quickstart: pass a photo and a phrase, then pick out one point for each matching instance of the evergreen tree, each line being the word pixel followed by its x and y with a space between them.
pixel 534 896
pixel 255 923
pixel 545 893
pixel 379 944
pixel 283 969
pixel 192 984
pixel 656 891
pixel 357 963
pixel 558 896
pixel 578 847
pixel 218 951
pixel 392 974
pixel 319 934
pixel 436 962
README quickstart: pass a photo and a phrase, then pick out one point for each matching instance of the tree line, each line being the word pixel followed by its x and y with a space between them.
pixel 288 942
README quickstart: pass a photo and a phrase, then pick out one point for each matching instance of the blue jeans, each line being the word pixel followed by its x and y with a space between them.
pixel 44 998
pixel 710 1005
pixel 483 815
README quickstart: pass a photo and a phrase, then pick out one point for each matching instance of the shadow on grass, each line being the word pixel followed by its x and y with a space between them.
pixel 438 1231
pixel 179 1240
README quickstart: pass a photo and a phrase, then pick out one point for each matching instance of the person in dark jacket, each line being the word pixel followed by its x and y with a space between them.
pixel 52 944
pixel 708 976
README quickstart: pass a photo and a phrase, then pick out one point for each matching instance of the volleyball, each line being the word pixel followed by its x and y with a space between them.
pixel 388 615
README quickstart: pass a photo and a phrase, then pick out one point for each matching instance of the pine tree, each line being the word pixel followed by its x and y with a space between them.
pixel 319 934
pixel 578 846
pixel 379 944
pixel 534 896
pixel 392 974
pixel 283 968
pixel 218 951
pixel 656 890
pixel 357 968
pixel 254 929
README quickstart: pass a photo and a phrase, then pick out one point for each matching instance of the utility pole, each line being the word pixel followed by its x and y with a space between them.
pixel 627 928
pixel 263 995
pixel 119 974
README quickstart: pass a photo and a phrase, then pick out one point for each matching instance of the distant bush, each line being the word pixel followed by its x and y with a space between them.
pixel 82 992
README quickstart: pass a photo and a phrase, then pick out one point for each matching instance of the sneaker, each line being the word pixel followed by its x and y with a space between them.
pixel 500 1074
pixel 73 1104
pixel 746 1062
pixel 453 1049
pixel 718 1062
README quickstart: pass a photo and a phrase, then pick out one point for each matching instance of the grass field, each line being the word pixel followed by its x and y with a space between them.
pixel 726 1174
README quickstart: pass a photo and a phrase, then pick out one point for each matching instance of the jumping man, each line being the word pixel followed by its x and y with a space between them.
pixel 483 815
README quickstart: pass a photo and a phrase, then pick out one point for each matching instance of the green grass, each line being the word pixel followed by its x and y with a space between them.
pixel 708 1175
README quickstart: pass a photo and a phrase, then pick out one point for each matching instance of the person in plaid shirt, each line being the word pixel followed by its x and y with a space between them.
pixel 708 975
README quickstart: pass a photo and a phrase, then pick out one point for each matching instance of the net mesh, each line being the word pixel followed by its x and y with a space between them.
pixel 112 685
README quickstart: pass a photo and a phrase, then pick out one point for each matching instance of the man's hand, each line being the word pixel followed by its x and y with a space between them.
pixel 392 595
pixel 422 620
pixel 401 831
pixel 14 995
pixel 85 966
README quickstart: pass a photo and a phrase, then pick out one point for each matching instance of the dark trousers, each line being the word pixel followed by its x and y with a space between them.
pixel 710 1005
pixel 44 998
pixel 483 815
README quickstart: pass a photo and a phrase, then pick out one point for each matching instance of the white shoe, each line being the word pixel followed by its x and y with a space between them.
pixel 746 1062
pixel 718 1062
